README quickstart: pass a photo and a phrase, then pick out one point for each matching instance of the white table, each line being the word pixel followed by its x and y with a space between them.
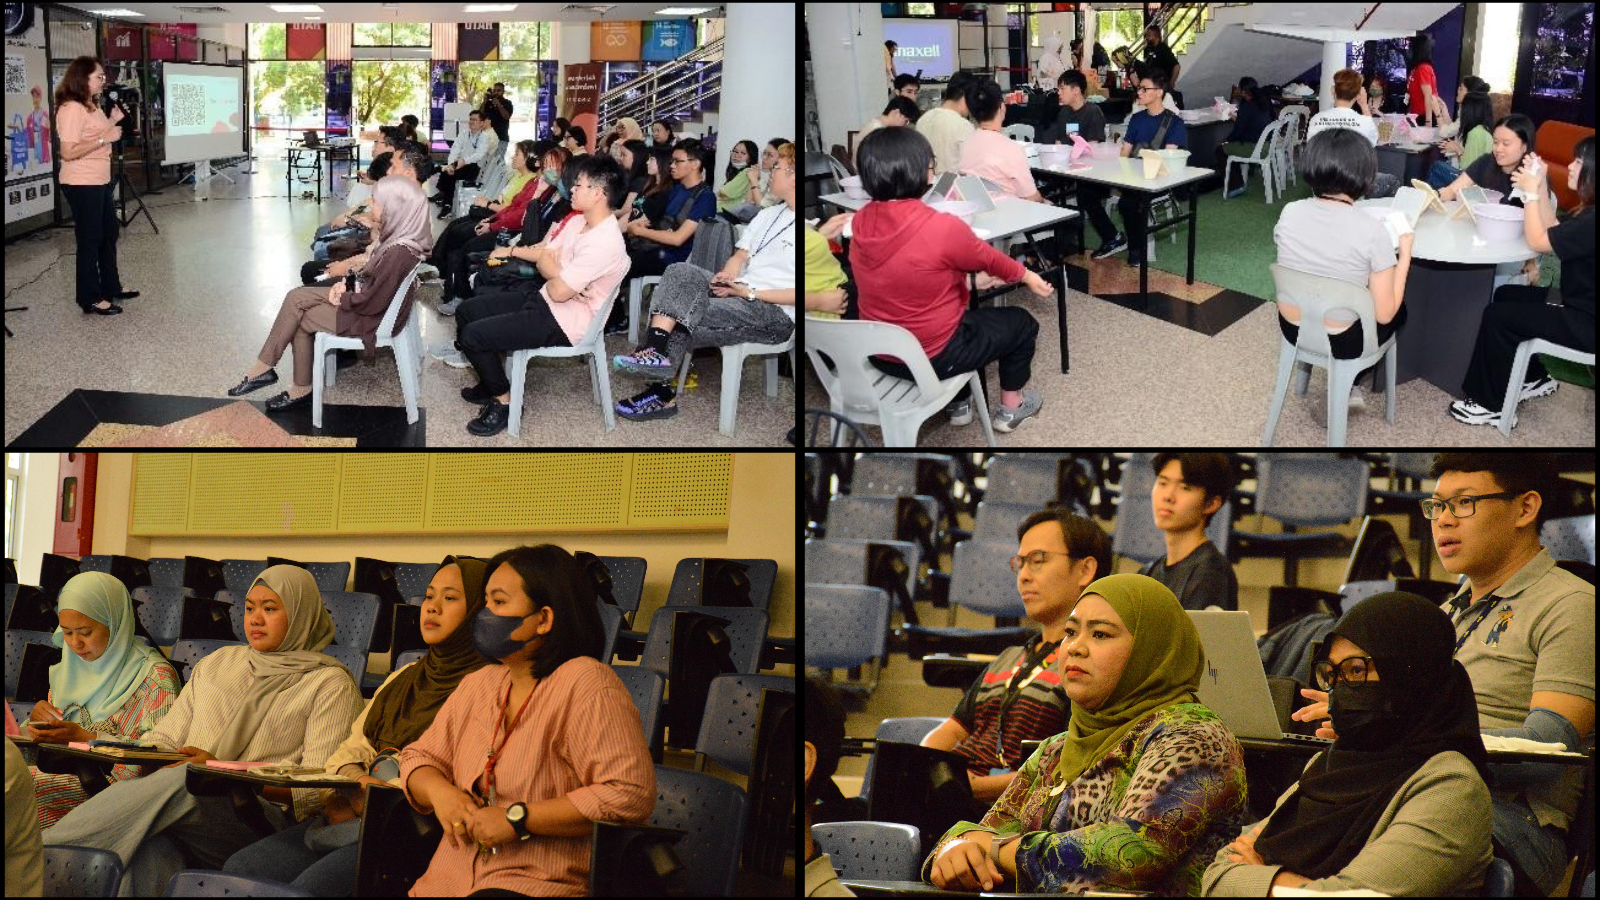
pixel 1450 283
pixel 1127 174
pixel 1011 216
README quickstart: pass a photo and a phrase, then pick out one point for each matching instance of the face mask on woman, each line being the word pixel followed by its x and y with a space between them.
pixel 491 634
pixel 552 177
pixel 1362 714
pixel 737 164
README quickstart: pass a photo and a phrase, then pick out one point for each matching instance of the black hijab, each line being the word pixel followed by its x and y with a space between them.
pixel 1327 819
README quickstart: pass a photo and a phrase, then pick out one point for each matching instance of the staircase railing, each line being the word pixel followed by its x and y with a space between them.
pixel 681 85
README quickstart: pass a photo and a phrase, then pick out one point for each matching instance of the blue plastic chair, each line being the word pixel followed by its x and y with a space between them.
pixel 1498 880
pixel 907 730
pixel 645 685
pixel 844 561
pixel 239 574
pixel 1023 478
pixel 872 518
pixel 728 726
pixel 747 630
pixel 685 589
pixel 71 871
pixel 355 617
pixel 412 578
pixel 1136 536
pixel 353 658
pixel 982 581
pixel 1304 490
pixel 713 812
pixel 161 611
pixel 95 562
pixel 15 639
pixel 1570 538
pixel 875 851
pixel 207 883
pixel 997 520
pixel 834 635
pixel 1356 591
pixel 236 610
pixel 330 576
pixel 627 582
pixel 166 571
pixel 186 653
pixel 20 709
pixel 611 619
pixel 408 657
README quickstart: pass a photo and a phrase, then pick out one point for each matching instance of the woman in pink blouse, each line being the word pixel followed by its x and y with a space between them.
pixel 86 138
pixel 514 783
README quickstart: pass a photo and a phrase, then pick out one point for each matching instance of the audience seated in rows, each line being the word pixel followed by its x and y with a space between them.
pixel 469 154
pixel 409 161
pixel 1151 127
pixel 736 180
pixel 626 129
pixel 751 300
pixel 479 232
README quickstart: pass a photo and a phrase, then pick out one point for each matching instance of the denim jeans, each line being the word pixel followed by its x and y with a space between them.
pixel 284 857
pixel 1541 853
pixel 1441 173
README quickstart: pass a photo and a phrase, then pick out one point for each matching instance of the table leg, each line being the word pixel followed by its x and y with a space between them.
pixel 1144 250
pixel 1194 217
pixel 1061 312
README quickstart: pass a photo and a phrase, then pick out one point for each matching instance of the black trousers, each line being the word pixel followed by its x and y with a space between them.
pixel 499 323
pixel 447 182
pixel 1347 343
pixel 1091 202
pixel 1004 333
pixel 1518 313
pixel 94 221
pixel 456 269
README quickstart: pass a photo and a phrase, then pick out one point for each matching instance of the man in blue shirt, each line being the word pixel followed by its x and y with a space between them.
pixel 1152 127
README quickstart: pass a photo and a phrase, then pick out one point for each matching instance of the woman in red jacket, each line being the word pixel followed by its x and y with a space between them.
pixel 911 264
pixel 509 219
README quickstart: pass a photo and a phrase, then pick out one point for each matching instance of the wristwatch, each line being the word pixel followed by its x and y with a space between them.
pixel 752 295
pixel 517 815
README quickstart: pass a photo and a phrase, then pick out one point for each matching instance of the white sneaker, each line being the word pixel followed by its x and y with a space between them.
pixel 960 412
pixel 455 360
pixel 442 349
pixel 1539 387
pixel 1470 413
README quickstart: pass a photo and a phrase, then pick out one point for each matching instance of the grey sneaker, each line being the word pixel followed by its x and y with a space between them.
pixel 443 349
pixel 960 412
pixel 1007 420
pixel 455 360
pixel 449 308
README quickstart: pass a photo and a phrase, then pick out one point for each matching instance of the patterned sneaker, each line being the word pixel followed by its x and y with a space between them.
pixel 1539 387
pixel 646 405
pixel 644 362
pixel 1007 420
pixel 1470 413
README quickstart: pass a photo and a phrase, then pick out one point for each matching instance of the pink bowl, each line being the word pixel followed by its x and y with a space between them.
pixel 852 188
pixel 1496 223
pixel 961 209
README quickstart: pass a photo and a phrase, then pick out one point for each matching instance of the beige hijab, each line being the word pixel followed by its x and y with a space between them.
pixel 310 630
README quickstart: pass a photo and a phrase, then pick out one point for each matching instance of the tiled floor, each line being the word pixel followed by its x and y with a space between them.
pixel 211 283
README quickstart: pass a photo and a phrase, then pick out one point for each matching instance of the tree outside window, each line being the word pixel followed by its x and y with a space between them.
pixel 283 94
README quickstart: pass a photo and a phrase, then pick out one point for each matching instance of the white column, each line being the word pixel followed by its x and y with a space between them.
pixel 570 41
pixel 1333 56
pixel 1089 37
pixel 758 67
pixel 846 67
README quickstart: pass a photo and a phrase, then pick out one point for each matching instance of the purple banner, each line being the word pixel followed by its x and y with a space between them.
pixel 339 96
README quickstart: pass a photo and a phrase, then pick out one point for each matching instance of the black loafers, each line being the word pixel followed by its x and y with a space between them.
pixel 111 310
pixel 250 384
pixel 125 295
pixel 476 394
pixel 491 420
pixel 282 403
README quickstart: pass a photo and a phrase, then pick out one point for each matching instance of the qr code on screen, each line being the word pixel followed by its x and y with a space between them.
pixel 188 105
pixel 16 76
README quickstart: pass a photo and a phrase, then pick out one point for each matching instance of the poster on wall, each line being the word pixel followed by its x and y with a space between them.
pixel 667 39
pixel 614 41
pixel 122 43
pixel 478 41
pixel 30 178
pixel 175 41
pixel 582 88
pixel 306 42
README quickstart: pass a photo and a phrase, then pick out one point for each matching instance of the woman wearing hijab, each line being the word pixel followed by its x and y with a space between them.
pixel 278 699
pixel 404 238
pixel 517 785
pixel 109 685
pixel 626 129
pixel 1142 789
pixel 1398 804
pixel 319 855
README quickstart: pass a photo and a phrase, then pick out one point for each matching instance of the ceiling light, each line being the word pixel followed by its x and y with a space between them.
pixel 113 12
pixel 295 8
pixel 685 11
pixel 488 7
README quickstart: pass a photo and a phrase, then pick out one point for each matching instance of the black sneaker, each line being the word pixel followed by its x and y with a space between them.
pixel 491 419
pixel 476 394
pixel 1110 247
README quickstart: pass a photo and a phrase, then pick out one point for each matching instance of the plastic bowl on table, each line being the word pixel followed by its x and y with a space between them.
pixel 1496 223
pixel 1175 159
pixel 1104 149
pixel 852 187
pixel 961 209
pixel 1424 134
pixel 1055 154
pixel 1493 196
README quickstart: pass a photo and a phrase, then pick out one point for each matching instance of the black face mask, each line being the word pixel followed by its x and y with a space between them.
pixel 1362 714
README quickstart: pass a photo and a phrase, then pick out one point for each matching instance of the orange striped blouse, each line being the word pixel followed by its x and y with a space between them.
pixel 580 738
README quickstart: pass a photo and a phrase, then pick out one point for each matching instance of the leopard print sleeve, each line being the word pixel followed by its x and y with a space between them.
pixel 1149 816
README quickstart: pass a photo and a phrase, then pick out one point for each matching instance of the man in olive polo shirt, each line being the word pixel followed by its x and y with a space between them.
pixel 1525 634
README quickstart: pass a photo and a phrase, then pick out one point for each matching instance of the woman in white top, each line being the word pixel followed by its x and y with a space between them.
pixel 318 856
pixel 278 699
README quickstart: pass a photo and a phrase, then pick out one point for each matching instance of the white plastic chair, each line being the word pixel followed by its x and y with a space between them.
pixel 1264 155
pixel 733 357
pixel 858 389
pixel 1519 374
pixel 1018 132
pixel 593 346
pixel 407 346
pixel 1294 138
pixel 1316 296
pixel 635 304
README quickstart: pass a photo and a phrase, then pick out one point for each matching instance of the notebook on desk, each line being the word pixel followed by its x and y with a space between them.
pixel 1234 684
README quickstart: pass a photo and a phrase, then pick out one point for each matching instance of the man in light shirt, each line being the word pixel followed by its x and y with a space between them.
pixel 946 126
pixel 467 155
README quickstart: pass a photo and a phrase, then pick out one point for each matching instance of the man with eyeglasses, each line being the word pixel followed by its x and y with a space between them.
pixel 1525 634
pixel 669 239
pixel 1151 127
pixel 1019 696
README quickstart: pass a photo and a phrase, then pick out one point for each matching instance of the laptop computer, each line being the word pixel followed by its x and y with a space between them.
pixel 1234 684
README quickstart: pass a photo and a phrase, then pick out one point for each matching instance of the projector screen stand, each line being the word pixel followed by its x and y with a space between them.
pixel 124 192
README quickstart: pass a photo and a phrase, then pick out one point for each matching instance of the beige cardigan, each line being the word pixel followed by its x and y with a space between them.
pixel 357 751
pixel 1431 841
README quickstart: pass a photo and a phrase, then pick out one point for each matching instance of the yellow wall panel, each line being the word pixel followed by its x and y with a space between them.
pixel 264 493
pixel 528 491
pixel 161 495
pixel 680 488
pixel 383 492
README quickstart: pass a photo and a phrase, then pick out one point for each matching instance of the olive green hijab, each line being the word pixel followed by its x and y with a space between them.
pixel 1163 669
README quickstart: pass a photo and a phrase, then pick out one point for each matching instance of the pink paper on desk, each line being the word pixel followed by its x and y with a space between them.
pixel 1080 147
pixel 230 764
pixel 79 745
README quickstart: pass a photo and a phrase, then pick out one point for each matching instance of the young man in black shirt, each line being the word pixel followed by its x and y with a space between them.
pixel 1190 488
pixel 1158 57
